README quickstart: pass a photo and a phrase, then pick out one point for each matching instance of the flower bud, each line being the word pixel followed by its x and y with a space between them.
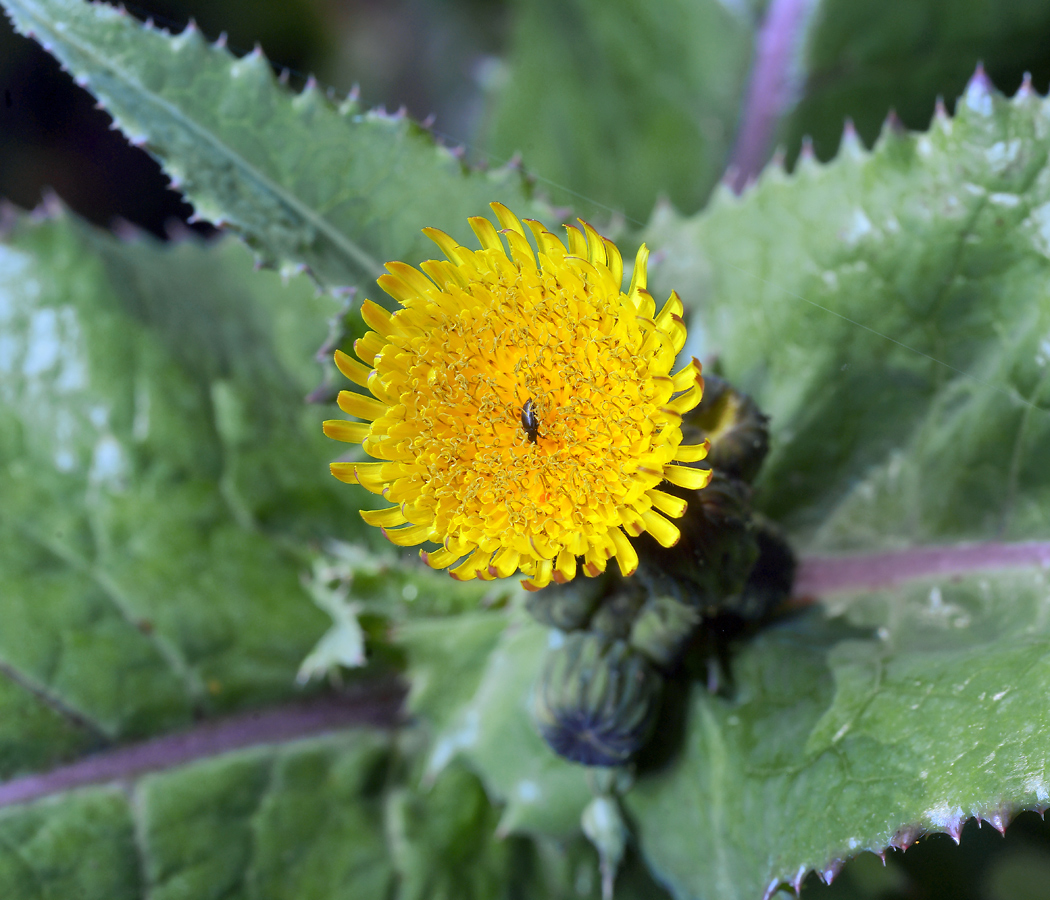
pixel 596 700
pixel 772 575
pixel 716 553
pixel 567 606
pixel 662 628
pixel 735 426
pixel 619 608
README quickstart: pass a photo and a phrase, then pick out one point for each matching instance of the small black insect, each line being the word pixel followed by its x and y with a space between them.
pixel 529 421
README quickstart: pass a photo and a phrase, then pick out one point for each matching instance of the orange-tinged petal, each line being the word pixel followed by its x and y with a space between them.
pixel 665 532
pixel 594 562
pixel 687 376
pixel 672 308
pixel 359 405
pixel 564 567
pixel 645 305
pixel 541 577
pixel 626 556
pixel 384 518
pixel 438 559
pixel 687 477
pixel 668 504
pixel 350 432
pixel 357 372
pixel 505 562
pixel 469 568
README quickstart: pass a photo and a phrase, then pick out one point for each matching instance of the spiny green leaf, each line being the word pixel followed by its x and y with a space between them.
pixel 136 595
pixel 862 59
pixel 839 735
pixel 909 403
pixel 889 311
pixel 836 742
pixel 339 191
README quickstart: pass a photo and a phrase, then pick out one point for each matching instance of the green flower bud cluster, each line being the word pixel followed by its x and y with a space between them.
pixel 600 688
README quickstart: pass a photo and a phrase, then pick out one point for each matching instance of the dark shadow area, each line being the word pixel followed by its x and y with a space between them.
pixel 52 138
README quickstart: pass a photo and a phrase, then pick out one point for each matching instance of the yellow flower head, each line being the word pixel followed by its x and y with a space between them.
pixel 524 413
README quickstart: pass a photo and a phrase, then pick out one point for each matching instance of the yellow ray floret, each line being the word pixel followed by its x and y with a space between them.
pixel 523 413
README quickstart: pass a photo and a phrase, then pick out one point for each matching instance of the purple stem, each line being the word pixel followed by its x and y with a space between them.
pixel 820 575
pixel 376 707
pixel 772 89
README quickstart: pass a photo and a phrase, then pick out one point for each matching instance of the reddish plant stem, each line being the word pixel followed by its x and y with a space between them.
pixel 377 707
pixel 820 575
pixel 772 89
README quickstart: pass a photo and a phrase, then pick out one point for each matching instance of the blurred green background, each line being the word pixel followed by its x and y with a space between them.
pixel 611 105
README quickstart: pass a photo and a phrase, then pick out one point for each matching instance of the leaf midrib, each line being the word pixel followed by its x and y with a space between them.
pixel 376 705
